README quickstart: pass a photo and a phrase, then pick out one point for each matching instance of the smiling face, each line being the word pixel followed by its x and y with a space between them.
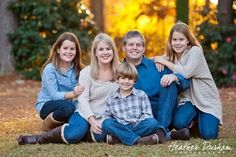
pixel 67 52
pixel 179 43
pixel 104 53
pixel 125 84
pixel 134 49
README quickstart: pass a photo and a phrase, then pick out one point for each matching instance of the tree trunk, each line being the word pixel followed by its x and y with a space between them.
pixel 182 10
pixel 97 10
pixel 225 12
pixel 7 24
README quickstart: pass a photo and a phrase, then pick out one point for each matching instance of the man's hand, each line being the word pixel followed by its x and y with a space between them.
pixel 166 80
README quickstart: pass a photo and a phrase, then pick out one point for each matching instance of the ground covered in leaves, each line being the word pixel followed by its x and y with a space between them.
pixel 18 115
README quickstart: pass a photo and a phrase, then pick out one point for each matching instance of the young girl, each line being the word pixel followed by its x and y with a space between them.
pixel 99 82
pixel 201 101
pixel 60 74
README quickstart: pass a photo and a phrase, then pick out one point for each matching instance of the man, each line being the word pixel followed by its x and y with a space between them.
pixel 161 87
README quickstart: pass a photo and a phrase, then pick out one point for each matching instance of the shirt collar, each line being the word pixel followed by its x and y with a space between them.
pixel 117 93
pixel 144 61
pixel 71 67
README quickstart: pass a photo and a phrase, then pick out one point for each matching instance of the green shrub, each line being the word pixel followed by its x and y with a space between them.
pixel 39 24
pixel 219 44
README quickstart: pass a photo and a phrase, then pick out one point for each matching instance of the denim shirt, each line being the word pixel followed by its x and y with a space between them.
pixel 55 84
pixel 149 81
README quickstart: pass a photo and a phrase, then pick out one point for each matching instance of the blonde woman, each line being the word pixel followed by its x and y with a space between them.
pixel 99 82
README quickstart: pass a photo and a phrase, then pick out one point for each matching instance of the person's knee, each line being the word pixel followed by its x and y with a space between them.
pixel 209 134
pixel 68 111
pixel 208 126
pixel 74 134
pixel 173 87
pixel 152 123
pixel 107 123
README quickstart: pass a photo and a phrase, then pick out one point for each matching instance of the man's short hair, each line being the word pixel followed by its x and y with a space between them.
pixel 133 34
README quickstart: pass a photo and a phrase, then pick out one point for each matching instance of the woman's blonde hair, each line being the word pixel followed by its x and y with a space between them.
pixel 183 28
pixel 54 56
pixel 126 70
pixel 102 37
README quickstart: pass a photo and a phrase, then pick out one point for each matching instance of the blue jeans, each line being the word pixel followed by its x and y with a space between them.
pixel 130 133
pixel 208 124
pixel 167 103
pixel 62 110
pixel 75 129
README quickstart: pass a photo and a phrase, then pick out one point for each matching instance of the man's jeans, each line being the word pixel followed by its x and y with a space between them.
pixel 163 112
pixel 208 124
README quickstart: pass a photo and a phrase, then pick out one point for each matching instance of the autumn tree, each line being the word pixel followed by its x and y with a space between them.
pixel 7 25
pixel 182 10
pixel 97 7
pixel 218 39
pixel 225 12
pixel 39 25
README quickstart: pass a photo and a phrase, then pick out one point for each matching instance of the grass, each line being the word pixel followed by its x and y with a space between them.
pixel 18 116
pixel 195 147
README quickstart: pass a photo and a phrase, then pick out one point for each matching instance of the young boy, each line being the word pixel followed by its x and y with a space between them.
pixel 128 115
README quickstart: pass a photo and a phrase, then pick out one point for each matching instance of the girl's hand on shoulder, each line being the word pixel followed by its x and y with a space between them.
pixel 159 61
pixel 166 80
pixel 160 67
pixel 95 125
pixel 78 89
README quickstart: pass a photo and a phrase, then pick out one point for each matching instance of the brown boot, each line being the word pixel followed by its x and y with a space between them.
pixel 148 140
pixel 49 123
pixel 113 140
pixel 161 135
pixel 52 136
pixel 182 134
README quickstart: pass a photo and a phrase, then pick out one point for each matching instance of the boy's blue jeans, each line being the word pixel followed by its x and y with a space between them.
pixel 130 133
pixel 208 124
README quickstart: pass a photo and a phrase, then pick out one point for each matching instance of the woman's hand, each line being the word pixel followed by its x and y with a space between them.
pixel 78 90
pixel 166 80
pixel 95 125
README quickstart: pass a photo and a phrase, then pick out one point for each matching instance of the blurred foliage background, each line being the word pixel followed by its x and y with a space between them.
pixel 40 22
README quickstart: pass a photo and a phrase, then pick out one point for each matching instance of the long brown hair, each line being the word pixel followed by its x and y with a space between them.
pixel 55 58
pixel 183 28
